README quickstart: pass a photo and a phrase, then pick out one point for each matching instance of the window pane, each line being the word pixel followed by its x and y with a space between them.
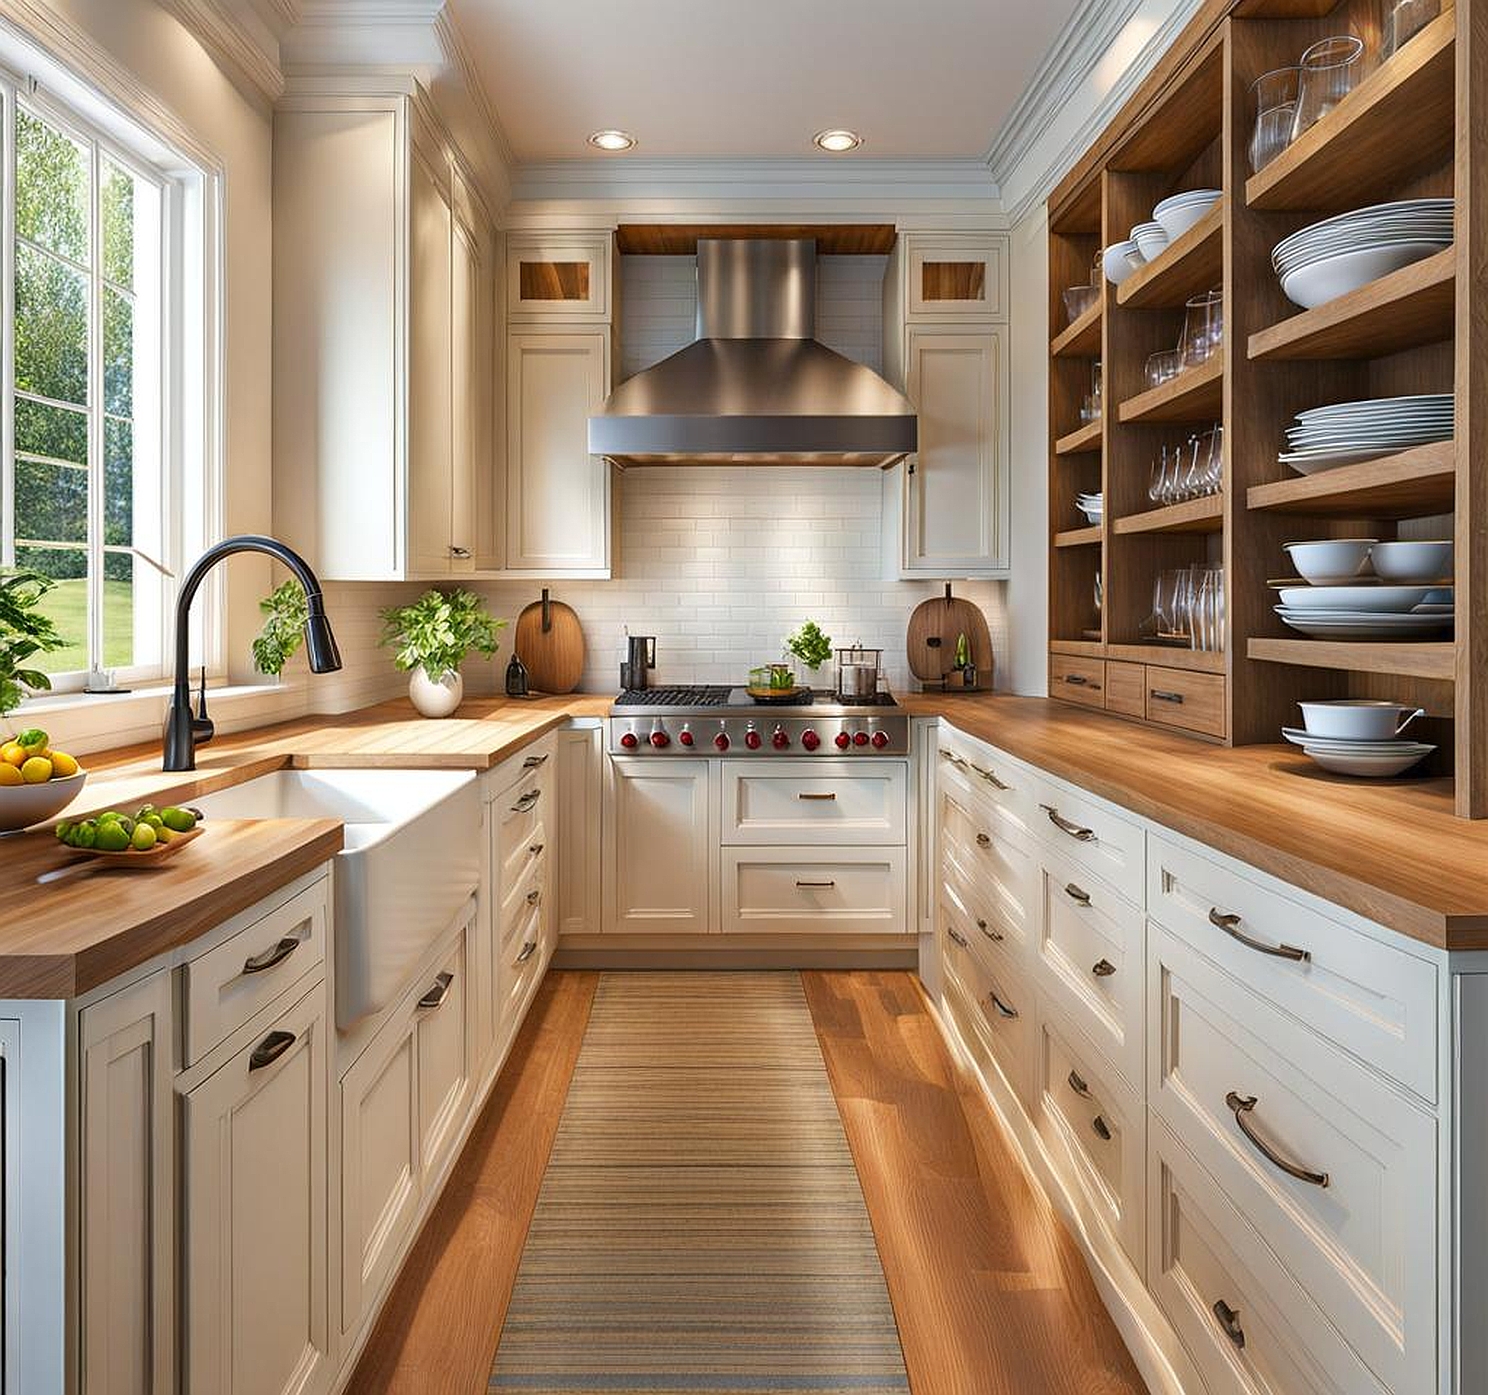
pixel 66 603
pixel 117 199
pixel 51 502
pixel 118 354
pixel 118 484
pixel 51 188
pixel 41 429
pixel 118 610
pixel 51 328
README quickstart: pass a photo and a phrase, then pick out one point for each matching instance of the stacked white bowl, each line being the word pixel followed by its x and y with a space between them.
pixel 1359 736
pixel 1360 588
pixel 1091 505
pixel 1350 250
pixel 1171 218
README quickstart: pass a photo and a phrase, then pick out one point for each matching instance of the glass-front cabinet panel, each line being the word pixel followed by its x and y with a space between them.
pixel 956 278
pixel 566 278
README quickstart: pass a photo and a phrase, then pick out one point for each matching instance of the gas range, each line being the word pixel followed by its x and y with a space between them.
pixel 724 721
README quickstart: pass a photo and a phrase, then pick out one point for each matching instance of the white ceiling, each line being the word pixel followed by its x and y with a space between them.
pixel 756 78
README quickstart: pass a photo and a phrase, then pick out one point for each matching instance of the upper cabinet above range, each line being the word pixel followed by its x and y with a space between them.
pixel 558 278
pixel 384 337
pixel 955 276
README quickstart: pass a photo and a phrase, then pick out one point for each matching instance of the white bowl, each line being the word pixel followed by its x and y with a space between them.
pixel 1116 261
pixel 1331 562
pixel 1357 719
pixel 1372 767
pixel 1411 561
pixel 1151 241
pixel 1321 281
pixel 23 805
pixel 1179 213
pixel 1395 599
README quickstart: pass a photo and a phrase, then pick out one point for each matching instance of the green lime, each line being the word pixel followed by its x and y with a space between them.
pixel 111 837
pixel 144 837
pixel 109 816
pixel 62 830
pixel 85 834
pixel 178 820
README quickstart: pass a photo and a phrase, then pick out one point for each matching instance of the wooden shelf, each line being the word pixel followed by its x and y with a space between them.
pixel 1079 537
pixel 1087 438
pixel 1413 659
pixel 1194 395
pixel 1416 483
pixel 1204 515
pixel 1396 123
pixel 1082 339
pixel 1164 656
pixel 1415 305
pixel 1078 648
pixel 1193 264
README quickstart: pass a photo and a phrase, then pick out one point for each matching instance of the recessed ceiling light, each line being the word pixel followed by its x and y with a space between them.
pixel 837 141
pixel 612 140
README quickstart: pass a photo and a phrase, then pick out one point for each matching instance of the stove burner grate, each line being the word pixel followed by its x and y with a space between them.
pixel 674 697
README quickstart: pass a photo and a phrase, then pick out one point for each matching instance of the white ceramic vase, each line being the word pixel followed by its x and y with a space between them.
pixel 436 697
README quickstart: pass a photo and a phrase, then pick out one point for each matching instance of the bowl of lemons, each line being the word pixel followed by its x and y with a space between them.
pixel 36 782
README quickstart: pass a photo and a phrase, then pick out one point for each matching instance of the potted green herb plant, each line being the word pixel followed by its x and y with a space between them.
pixel 433 637
pixel 24 633
pixel 809 645
pixel 285 612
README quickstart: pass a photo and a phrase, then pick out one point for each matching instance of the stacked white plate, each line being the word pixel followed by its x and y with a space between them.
pixel 1091 505
pixel 1345 757
pixel 1346 432
pixel 1342 253
pixel 1366 611
pixel 1178 214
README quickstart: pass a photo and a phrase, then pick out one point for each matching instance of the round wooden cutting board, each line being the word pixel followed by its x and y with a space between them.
pixel 931 641
pixel 550 642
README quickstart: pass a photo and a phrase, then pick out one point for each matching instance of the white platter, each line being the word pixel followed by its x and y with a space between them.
pixel 1300 736
pixel 1396 600
pixel 1317 284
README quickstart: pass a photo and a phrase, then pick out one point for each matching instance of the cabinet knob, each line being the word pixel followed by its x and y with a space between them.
pixel 459 551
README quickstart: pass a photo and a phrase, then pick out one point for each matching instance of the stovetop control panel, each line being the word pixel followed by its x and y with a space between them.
pixel 866 733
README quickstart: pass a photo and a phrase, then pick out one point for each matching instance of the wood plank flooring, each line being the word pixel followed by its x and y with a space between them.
pixel 990 1292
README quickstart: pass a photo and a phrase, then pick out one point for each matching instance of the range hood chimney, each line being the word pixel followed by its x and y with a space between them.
pixel 755 388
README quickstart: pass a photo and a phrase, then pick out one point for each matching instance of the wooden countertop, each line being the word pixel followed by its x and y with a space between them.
pixel 61 936
pixel 1392 850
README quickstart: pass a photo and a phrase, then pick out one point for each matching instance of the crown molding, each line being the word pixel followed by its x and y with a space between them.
pixel 242 39
pixel 458 52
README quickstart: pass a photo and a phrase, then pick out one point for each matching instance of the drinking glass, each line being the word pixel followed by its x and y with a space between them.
pixel 1331 69
pixel 1162 366
pixel 1203 328
pixel 1195 466
pixel 1208 609
pixel 1275 98
pixel 1097 384
pixel 1400 19
pixel 1214 466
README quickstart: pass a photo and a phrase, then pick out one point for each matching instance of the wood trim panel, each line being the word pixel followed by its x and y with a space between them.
pixel 681 239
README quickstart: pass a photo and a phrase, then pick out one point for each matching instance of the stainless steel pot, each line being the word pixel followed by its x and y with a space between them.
pixel 857 672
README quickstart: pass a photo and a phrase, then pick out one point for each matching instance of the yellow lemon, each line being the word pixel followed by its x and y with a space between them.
pixel 10 774
pixel 63 765
pixel 13 753
pixel 37 770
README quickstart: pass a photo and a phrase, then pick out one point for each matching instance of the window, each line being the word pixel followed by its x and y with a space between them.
pixel 85 472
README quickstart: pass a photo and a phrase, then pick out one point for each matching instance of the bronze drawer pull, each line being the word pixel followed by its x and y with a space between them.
pixel 534 896
pixel 534 848
pixel 984 840
pixel 1083 835
pixel 995 936
pixel 270 1049
pixel 460 552
pixel 1229 1319
pixel 532 762
pixel 805 794
pixel 1077 893
pixel 953 758
pixel 809 885
pixel 1102 1129
pixel 526 802
pixel 1078 1085
pixel 1242 1105
pixel 528 950
pixel 435 997
pixel 959 938
pixel 277 954
pixel 1079 680
pixel 1103 968
pixel 1227 922
pixel 1003 1008
pixel 989 777
pixel 1163 695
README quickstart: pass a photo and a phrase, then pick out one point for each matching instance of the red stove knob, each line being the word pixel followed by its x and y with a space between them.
pixel 810 740
pixel 685 736
pixel 660 740
pixel 721 741
pixel 779 740
pixel 880 740
pixel 842 740
pixel 752 739
pixel 630 741
pixel 860 738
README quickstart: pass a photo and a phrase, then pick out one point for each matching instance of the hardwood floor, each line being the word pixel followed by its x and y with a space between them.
pixel 990 1292
pixel 437 1333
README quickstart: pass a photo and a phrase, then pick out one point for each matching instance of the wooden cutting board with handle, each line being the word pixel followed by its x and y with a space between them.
pixel 550 642
pixel 933 628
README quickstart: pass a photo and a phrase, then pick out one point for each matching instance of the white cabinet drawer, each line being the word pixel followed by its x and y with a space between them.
pixel 995 875
pixel 522 860
pixel 1374 1000
pixel 833 890
pixel 800 803
pixel 1095 1127
pixel 1090 960
pixel 1336 1169
pixel 520 809
pixel 240 977
pixel 992 1006
pixel 521 902
pixel 442 1026
pixel 530 764
pixel 1095 838
pixel 1005 790
pixel 998 912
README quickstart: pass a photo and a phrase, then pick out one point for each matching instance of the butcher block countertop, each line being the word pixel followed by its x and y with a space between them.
pixel 1392 850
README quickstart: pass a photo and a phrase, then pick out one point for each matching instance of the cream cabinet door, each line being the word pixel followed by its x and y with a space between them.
pixel 126 1219
pixel 955 506
pixel 558 495
pixel 467 393
pixel 661 854
pixel 951 277
pixel 254 1151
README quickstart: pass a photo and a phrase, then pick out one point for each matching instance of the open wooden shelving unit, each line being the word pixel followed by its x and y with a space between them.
pixel 1400 134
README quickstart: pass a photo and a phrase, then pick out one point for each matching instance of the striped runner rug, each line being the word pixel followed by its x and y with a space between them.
pixel 700 1226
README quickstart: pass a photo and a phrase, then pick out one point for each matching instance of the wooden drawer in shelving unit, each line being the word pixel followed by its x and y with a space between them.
pixel 1126 689
pixel 1179 698
pixel 1078 680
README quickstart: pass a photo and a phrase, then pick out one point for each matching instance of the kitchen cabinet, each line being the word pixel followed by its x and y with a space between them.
pixel 383 305
pixel 954 276
pixel 661 840
pixel 580 790
pixel 563 278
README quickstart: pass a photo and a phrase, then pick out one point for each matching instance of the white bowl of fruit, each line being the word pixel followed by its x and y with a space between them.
pixel 36 782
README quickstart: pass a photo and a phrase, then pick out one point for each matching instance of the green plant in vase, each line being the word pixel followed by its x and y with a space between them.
pixel 25 632
pixel 433 637
pixel 810 646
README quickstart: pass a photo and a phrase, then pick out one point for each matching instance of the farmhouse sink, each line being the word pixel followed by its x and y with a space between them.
pixel 412 858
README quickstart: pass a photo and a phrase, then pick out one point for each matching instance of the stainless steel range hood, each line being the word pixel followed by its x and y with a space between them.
pixel 755 388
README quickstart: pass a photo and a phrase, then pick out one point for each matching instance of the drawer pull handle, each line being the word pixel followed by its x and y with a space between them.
pixel 1242 1105
pixel 990 778
pixel 270 1049
pixel 1102 1129
pixel 534 896
pixel 528 950
pixel 1103 968
pixel 534 848
pixel 1227 922
pixel 437 994
pixel 532 762
pixel 526 802
pixel 959 938
pixel 456 551
pixel 810 885
pixel 995 936
pixel 1229 1319
pixel 954 759
pixel 807 794
pixel 1078 1085
pixel 1077 680
pixel 1003 1009
pixel 1083 835
pixel 1163 695
pixel 984 840
pixel 1077 893
pixel 276 954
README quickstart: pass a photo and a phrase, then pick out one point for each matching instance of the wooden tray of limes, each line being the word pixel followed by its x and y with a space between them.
pixel 167 839
pixel 134 857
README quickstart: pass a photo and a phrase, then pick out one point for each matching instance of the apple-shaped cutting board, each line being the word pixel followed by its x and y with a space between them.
pixel 931 641
pixel 550 642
